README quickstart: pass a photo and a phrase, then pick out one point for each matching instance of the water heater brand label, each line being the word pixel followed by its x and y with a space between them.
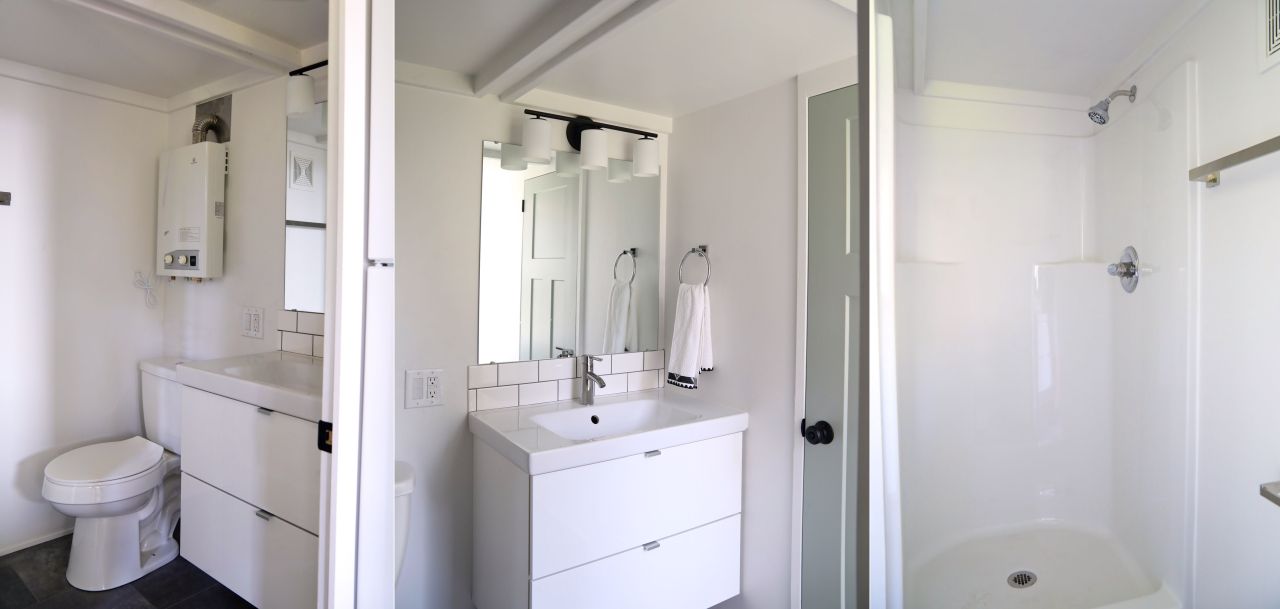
pixel 189 234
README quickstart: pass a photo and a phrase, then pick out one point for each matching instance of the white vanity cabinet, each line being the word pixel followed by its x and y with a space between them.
pixel 251 498
pixel 656 529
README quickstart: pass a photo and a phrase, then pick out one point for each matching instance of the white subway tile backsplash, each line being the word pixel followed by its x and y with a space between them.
pixel 317 346
pixel 311 323
pixel 653 360
pixel 538 393
pixel 471 400
pixel 482 376
pixel 296 343
pixel 568 389
pixel 613 383
pixel 515 373
pixel 627 362
pixel 646 379
pixel 555 369
pixel 497 397
pixel 287 321
pixel 604 366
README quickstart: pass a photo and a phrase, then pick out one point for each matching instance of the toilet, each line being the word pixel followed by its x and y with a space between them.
pixel 404 488
pixel 124 495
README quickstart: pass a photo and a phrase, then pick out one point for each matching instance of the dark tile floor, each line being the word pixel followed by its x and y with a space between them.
pixel 36 578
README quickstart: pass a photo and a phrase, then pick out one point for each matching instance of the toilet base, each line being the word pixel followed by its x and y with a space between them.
pixel 110 552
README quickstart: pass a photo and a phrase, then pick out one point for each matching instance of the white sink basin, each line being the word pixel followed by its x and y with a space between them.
pixel 595 422
pixel 279 381
pixel 550 437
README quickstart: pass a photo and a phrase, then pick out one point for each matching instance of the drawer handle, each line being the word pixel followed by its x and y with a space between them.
pixel 263 514
pixel 653 545
pixel 266 411
pixel 653 453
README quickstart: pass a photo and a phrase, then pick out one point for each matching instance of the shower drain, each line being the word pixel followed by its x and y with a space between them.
pixel 1022 579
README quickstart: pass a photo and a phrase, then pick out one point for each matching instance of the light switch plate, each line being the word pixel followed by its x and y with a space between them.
pixel 251 322
pixel 423 388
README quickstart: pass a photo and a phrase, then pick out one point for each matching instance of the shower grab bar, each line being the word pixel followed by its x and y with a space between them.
pixel 701 251
pixel 627 252
pixel 1210 173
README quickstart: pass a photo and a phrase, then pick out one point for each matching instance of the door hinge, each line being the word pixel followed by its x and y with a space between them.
pixel 522 206
pixel 324 441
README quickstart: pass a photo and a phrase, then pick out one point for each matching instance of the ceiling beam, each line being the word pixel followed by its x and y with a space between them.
pixel 543 45
pixel 202 29
pixel 532 78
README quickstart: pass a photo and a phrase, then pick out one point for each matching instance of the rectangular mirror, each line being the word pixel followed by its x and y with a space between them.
pixel 569 259
pixel 304 222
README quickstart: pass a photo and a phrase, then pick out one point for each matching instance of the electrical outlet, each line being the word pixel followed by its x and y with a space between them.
pixel 251 322
pixel 423 388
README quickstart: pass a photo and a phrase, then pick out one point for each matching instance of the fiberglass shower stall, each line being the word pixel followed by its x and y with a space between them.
pixel 1047 417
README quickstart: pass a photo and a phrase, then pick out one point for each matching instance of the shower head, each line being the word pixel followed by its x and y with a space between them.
pixel 1099 112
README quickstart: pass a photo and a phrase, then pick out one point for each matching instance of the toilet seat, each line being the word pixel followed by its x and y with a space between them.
pixel 109 471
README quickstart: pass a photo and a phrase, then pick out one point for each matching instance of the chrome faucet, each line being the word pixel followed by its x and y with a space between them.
pixel 590 380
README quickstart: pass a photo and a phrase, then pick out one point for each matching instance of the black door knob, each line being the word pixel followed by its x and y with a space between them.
pixel 819 433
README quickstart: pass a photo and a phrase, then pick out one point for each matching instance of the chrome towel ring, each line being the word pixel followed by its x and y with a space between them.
pixel 700 251
pixel 627 252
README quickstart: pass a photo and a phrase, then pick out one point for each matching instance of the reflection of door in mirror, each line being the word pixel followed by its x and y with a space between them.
pixel 549 267
pixel 305 212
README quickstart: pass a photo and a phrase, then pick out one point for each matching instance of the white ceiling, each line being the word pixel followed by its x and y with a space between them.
pixel 461 35
pixel 301 23
pixel 1068 47
pixel 692 54
pixel 75 40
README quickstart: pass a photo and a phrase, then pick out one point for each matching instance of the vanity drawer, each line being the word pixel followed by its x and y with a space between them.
pixel 265 458
pixel 269 562
pixel 692 570
pixel 584 513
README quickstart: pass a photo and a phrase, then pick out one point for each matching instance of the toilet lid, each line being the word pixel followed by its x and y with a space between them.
pixel 104 462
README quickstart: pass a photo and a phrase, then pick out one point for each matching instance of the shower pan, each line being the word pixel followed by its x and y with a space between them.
pixel 1046 422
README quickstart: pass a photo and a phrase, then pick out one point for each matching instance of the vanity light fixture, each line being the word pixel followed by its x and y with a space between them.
pixel 644 155
pixel 300 94
pixel 619 171
pixel 595 149
pixel 513 157
pixel 591 138
pixel 567 164
pixel 537 140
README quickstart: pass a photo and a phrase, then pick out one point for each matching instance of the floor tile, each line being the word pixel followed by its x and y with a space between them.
pixel 217 597
pixel 174 582
pixel 124 597
pixel 43 568
pixel 13 593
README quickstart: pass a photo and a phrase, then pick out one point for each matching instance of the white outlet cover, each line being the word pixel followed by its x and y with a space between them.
pixel 251 320
pixel 423 388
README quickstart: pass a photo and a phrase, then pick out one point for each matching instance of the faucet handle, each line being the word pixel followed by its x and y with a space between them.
pixel 594 358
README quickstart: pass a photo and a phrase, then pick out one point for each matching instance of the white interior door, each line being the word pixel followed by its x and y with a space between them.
pixel 549 266
pixel 832 371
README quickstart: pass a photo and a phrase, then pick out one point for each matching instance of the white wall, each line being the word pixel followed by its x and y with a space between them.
pixel 732 186
pixel 202 320
pixel 620 215
pixel 72 326
pixel 438 151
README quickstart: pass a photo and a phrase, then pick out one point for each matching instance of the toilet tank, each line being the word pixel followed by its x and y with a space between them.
pixel 161 405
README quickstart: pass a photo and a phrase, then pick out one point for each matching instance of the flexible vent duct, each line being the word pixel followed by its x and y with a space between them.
pixel 203 125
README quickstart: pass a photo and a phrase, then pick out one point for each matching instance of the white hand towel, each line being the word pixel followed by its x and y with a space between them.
pixel 619 319
pixel 691 337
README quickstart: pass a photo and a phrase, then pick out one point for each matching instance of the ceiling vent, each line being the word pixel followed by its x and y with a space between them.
pixel 1269 24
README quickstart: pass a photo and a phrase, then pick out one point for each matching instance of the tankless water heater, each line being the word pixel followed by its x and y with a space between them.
pixel 191 212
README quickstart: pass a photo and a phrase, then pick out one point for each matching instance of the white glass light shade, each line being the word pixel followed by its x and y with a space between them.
pixel 300 95
pixel 567 164
pixel 513 157
pixel 595 149
pixel 537 140
pixel 644 154
pixel 619 170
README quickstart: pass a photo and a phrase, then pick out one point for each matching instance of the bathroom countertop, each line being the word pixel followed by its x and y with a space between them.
pixel 277 380
pixel 515 434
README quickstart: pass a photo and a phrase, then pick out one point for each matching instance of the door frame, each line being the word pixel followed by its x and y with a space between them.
pixel 822 80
